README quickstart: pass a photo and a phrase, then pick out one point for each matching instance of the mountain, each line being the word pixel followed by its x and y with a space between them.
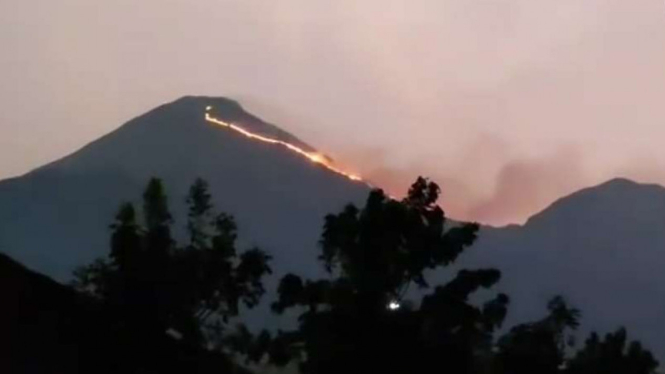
pixel 57 216
pixel 601 247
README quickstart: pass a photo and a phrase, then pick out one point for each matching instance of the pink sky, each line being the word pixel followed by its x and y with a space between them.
pixel 509 104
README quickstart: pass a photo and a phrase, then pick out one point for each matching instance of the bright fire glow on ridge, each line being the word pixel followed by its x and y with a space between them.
pixel 316 158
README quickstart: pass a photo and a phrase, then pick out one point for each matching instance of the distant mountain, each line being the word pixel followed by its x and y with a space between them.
pixel 603 247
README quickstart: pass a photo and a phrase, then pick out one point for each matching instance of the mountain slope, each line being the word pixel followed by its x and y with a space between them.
pixel 57 216
pixel 603 248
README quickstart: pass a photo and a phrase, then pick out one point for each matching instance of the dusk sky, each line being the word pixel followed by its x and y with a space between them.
pixel 508 104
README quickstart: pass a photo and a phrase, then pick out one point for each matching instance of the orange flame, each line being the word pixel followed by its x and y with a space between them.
pixel 316 158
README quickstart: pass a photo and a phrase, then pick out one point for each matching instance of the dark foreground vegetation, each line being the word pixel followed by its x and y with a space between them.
pixel 156 306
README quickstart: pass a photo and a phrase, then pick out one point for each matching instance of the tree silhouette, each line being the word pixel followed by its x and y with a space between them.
pixel 612 356
pixel 156 287
pixel 358 320
pixel 539 347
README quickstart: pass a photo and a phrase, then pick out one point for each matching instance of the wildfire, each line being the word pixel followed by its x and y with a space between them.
pixel 316 158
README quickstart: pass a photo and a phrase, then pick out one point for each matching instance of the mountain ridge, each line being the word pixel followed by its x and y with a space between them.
pixel 175 143
pixel 614 188
pixel 192 111
pixel 602 247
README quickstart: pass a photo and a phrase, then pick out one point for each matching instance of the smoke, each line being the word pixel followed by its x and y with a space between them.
pixel 486 184
pixel 524 187
pixel 481 96
pixel 489 179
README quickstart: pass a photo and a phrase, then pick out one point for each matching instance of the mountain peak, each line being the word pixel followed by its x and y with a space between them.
pixel 182 121
pixel 251 165
pixel 225 106
pixel 229 111
pixel 618 196
pixel 619 182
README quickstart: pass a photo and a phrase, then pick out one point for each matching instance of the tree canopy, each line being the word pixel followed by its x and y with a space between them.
pixel 358 319
pixel 158 286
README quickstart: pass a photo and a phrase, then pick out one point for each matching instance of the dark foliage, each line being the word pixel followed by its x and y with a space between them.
pixel 351 322
pixel 613 355
pixel 539 347
pixel 49 328
pixel 155 287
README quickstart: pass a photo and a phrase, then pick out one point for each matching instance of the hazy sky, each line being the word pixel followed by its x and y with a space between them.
pixel 509 104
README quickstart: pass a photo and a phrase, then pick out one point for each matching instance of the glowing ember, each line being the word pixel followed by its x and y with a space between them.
pixel 314 157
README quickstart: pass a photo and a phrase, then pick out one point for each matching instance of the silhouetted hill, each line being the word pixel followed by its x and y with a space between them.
pixel 616 198
pixel 57 216
pixel 602 247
